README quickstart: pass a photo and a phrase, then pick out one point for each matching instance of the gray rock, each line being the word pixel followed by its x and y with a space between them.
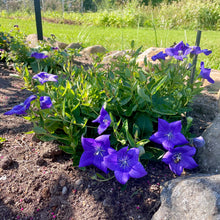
pixel 191 198
pixel 114 55
pixel 97 49
pixel 32 40
pixel 78 183
pixel 60 45
pixel 74 46
pixel 147 54
pixel 208 157
pixel 64 190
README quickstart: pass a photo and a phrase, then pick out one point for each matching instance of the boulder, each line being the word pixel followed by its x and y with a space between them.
pixel 208 157
pixel 60 45
pixel 74 46
pixel 190 198
pixel 97 49
pixel 116 54
pixel 32 40
pixel 147 54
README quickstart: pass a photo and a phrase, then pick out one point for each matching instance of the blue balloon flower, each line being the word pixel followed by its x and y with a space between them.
pixel 21 108
pixel 169 134
pixel 45 102
pixel 125 164
pixel 45 77
pixel 159 56
pixel 104 120
pixel 205 73
pixel 95 150
pixel 179 158
pixel 38 56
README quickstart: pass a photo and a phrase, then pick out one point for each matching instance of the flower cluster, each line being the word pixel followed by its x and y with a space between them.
pixel 179 157
pixel 45 101
pixel 98 152
pixel 180 51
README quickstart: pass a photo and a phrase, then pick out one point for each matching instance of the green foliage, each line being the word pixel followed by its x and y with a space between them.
pixel 133 97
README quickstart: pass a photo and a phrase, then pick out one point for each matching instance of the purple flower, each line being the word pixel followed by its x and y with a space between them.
pixel 158 56
pixel 125 164
pixel 169 134
pixel 45 102
pixel 205 73
pixel 21 109
pixel 38 55
pixel 54 48
pixel 179 51
pixel 44 77
pixel 179 158
pixel 104 120
pixel 95 150
pixel 16 26
pixel 198 141
pixel 197 50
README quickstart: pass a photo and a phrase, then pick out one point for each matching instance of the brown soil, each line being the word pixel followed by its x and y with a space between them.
pixel 37 181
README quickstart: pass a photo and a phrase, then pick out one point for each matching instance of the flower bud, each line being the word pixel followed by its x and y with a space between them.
pixel 141 150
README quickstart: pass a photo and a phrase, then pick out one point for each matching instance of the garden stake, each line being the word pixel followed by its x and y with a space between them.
pixel 38 19
pixel 198 37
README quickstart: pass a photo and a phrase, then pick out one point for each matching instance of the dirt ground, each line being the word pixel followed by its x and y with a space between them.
pixel 38 181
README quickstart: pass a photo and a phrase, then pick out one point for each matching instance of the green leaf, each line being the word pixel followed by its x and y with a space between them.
pixel 39 130
pixel 128 135
pixel 158 85
pixel 67 149
pixel 142 94
pixel 29 132
pixel 100 176
pixel 152 153
pixel 144 122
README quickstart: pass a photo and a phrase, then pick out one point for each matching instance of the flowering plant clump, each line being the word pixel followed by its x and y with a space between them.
pixel 139 115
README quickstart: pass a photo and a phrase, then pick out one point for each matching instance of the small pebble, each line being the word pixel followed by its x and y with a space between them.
pixel 64 190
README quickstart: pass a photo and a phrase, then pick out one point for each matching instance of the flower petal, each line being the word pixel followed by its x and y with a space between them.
pixel 188 162
pixel 86 159
pixel 111 161
pixel 137 171
pixel 176 168
pixel 122 177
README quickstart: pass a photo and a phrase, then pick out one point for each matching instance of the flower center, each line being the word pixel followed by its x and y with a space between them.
pixel 180 52
pixel 99 151
pixel 177 158
pixel 124 162
pixel 169 135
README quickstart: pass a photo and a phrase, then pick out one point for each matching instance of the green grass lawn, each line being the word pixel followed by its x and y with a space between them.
pixel 118 39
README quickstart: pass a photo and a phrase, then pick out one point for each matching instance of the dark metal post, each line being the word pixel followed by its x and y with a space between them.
pixel 198 37
pixel 38 19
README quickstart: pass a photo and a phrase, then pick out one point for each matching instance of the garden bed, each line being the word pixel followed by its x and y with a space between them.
pixel 37 181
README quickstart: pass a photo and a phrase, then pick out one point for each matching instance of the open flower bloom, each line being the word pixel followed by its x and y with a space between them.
pixel 95 150
pixel 169 134
pixel 45 102
pixel 103 119
pixel 197 50
pixel 179 158
pixel 21 108
pixel 45 77
pixel 38 56
pixel 205 73
pixel 159 56
pixel 179 51
pixel 125 164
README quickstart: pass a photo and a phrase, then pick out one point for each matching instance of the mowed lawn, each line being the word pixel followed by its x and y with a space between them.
pixel 120 38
